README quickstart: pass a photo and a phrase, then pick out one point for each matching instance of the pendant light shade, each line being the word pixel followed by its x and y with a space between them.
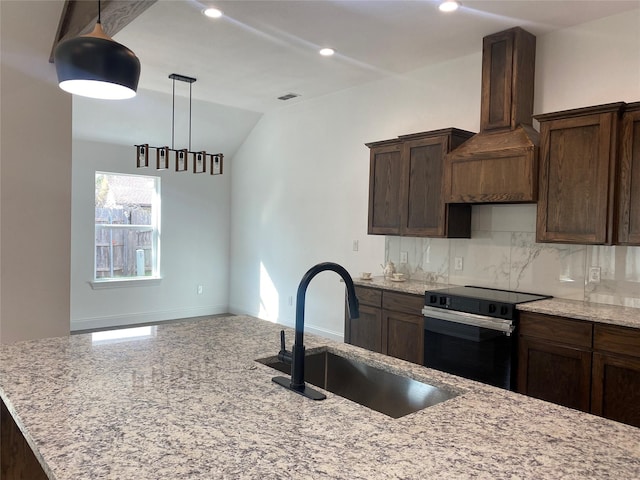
pixel 96 66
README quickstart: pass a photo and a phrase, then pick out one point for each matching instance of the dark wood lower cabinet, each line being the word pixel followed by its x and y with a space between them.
pixel 616 373
pixel 554 359
pixel 594 367
pixel 389 323
pixel 403 336
pixel 616 388
pixel 366 331
pixel 588 366
pixel 17 461
pixel 556 373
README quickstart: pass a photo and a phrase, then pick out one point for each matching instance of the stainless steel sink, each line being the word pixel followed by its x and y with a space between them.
pixel 385 392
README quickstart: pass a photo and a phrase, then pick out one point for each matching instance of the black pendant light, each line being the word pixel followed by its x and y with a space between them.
pixel 94 65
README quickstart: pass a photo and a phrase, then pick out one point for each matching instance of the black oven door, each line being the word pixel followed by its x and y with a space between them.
pixel 470 346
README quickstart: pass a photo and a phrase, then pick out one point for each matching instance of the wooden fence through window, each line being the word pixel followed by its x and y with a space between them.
pixel 120 244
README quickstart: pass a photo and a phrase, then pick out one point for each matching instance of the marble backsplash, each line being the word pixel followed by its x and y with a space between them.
pixel 502 253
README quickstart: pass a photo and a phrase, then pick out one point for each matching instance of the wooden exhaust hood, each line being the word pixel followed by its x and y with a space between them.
pixel 500 164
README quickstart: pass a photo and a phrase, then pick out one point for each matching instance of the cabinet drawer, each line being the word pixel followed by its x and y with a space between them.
pixel 369 296
pixel 403 302
pixel 612 338
pixel 556 329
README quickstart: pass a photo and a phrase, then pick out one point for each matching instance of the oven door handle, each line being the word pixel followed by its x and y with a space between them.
pixel 472 319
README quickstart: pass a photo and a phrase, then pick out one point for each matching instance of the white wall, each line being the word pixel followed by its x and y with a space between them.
pixel 194 244
pixel 195 221
pixel 35 176
pixel 300 181
pixel 300 186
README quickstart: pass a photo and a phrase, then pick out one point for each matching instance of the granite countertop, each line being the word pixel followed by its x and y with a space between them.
pixel 594 312
pixel 189 402
pixel 415 287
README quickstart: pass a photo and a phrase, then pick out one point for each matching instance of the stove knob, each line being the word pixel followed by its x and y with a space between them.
pixel 504 310
pixel 492 308
pixel 433 299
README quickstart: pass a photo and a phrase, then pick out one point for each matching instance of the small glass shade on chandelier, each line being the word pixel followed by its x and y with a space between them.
pixel 96 66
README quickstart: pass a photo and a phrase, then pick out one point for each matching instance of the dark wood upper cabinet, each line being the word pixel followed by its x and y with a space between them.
pixel 508 62
pixel 629 178
pixel 405 186
pixel 385 183
pixel 578 162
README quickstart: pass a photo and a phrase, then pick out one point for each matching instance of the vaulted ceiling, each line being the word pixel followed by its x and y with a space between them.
pixel 262 49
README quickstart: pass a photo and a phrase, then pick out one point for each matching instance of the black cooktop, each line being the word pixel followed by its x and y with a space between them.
pixel 490 294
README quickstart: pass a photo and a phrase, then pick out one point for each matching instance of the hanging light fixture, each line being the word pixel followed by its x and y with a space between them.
pixel 199 160
pixel 94 65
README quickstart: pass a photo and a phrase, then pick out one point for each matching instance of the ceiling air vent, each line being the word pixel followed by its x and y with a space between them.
pixel 288 96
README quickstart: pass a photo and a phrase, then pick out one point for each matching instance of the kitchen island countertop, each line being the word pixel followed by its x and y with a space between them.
pixel 188 401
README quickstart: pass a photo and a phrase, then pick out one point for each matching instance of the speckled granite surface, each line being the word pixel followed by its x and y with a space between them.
pixel 595 312
pixel 190 402
pixel 408 286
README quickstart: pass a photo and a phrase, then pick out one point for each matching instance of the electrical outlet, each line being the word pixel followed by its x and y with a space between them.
pixel 355 245
pixel 199 290
pixel 594 275
pixel 457 263
pixel 404 257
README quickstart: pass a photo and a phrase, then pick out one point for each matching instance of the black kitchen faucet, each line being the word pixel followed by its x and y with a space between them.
pixel 296 356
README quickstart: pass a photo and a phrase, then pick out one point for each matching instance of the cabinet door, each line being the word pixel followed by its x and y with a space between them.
pixel 422 187
pixel 385 183
pixel 508 61
pixel 629 183
pixel 369 296
pixel 366 330
pixel 616 388
pixel 424 212
pixel 403 336
pixel 556 373
pixel 17 460
pixel 577 174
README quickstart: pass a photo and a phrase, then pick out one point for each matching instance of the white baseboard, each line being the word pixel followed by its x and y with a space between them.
pixel 320 331
pixel 146 317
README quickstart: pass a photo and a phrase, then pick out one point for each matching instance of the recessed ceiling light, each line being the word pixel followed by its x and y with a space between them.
pixel 212 12
pixel 326 52
pixel 449 6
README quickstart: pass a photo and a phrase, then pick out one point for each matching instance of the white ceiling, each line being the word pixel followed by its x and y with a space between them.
pixel 262 49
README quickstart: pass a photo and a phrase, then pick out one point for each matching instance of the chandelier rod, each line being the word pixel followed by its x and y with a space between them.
pixel 173 115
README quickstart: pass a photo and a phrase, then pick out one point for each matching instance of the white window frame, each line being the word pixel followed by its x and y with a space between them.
pixel 155 277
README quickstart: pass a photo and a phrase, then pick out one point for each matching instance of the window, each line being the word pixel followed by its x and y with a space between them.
pixel 127 221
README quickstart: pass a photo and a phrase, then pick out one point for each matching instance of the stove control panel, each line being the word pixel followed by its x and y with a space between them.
pixel 478 306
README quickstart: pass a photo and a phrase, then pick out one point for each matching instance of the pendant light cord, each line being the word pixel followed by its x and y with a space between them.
pixel 99 12
pixel 173 115
pixel 182 78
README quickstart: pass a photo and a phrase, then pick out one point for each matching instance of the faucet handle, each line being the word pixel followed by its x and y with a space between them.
pixel 284 355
